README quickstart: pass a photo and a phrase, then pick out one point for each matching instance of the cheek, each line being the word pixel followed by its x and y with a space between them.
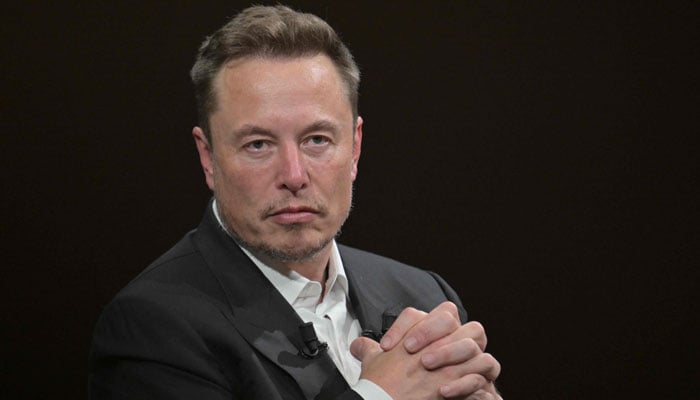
pixel 236 184
pixel 241 186
pixel 341 184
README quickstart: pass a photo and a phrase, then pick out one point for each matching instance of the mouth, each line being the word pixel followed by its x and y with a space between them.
pixel 293 215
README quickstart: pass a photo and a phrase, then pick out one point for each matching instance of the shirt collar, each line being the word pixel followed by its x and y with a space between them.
pixel 295 288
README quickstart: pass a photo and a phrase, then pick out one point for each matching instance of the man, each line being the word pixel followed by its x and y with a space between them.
pixel 260 302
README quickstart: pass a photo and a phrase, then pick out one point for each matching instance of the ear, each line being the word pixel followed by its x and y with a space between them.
pixel 356 147
pixel 205 155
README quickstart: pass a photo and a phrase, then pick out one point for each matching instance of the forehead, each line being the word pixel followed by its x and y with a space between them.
pixel 278 76
pixel 279 95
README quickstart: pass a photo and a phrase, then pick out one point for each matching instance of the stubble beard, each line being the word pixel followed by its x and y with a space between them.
pixel 284 255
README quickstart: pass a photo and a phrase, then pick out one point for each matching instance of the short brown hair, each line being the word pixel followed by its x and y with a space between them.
pixel 269 32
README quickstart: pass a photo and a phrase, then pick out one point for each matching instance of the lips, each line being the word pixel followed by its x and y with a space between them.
pixel 293 215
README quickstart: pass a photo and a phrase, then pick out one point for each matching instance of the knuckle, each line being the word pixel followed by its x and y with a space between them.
pixel 487 358
pixel 495 366
pixel 471 346
pixel 478 333
pixel 475 382
pixel 412 312
pixel 476 326
pixel 449 307
pixel 480 395
pixel 409 316
pixel 447 321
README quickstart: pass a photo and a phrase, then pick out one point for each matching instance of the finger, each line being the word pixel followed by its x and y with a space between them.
pixel 488 392
pixel 441 322
pixel 455 352
pixel 472 330
pixel 477 332
pixel 405 321
pixel 437 325
pixel 449 307
pixel 467 385
pixel 482 395
pixel 363 348
pixel 483 364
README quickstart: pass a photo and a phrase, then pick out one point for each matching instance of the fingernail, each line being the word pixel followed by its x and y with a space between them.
pixel 429 360
pixel 385 342
pixel 446 391
pixel 411 344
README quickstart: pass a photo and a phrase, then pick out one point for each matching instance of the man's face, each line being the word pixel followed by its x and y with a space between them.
pixel 284 154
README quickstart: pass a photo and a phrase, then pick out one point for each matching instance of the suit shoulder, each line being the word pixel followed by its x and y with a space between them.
pixel 183 249
pixel 180 270
pixel 361 259
pixel 364 264
pixel 384 275
pixel 181 262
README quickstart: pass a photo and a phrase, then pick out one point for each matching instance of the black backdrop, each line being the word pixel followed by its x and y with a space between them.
pixel 539 156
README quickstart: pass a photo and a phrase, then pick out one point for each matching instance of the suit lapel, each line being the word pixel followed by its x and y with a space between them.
pixel 261 315
pixel 363 298
pixel 369 295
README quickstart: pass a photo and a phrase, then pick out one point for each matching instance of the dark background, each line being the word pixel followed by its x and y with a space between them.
pixel 541 157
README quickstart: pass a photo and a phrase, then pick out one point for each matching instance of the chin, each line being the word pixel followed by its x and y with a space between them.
pixel 309 246
pixel 289 246
pixel 293 252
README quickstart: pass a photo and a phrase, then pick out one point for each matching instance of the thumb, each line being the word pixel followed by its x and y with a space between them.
pixel 363 348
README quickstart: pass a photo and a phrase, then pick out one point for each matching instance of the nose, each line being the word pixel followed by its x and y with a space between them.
pixel 293 175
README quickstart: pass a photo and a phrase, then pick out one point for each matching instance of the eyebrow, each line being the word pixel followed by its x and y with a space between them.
pixel 320 125
pixel 249 130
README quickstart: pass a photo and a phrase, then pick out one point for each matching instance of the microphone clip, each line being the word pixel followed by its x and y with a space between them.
pixel 312 347
pixel 388 319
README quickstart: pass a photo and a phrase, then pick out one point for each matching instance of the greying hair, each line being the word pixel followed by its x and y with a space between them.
pixel 261 31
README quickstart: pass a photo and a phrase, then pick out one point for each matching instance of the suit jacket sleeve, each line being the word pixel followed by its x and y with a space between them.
pixel 141 350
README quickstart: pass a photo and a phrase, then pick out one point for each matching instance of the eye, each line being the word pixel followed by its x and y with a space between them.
pixel 318 140
pixel 256 145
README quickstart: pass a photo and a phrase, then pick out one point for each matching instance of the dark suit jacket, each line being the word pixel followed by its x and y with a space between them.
pixel 202 322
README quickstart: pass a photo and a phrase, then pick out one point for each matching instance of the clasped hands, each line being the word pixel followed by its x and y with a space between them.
pixel 430 356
